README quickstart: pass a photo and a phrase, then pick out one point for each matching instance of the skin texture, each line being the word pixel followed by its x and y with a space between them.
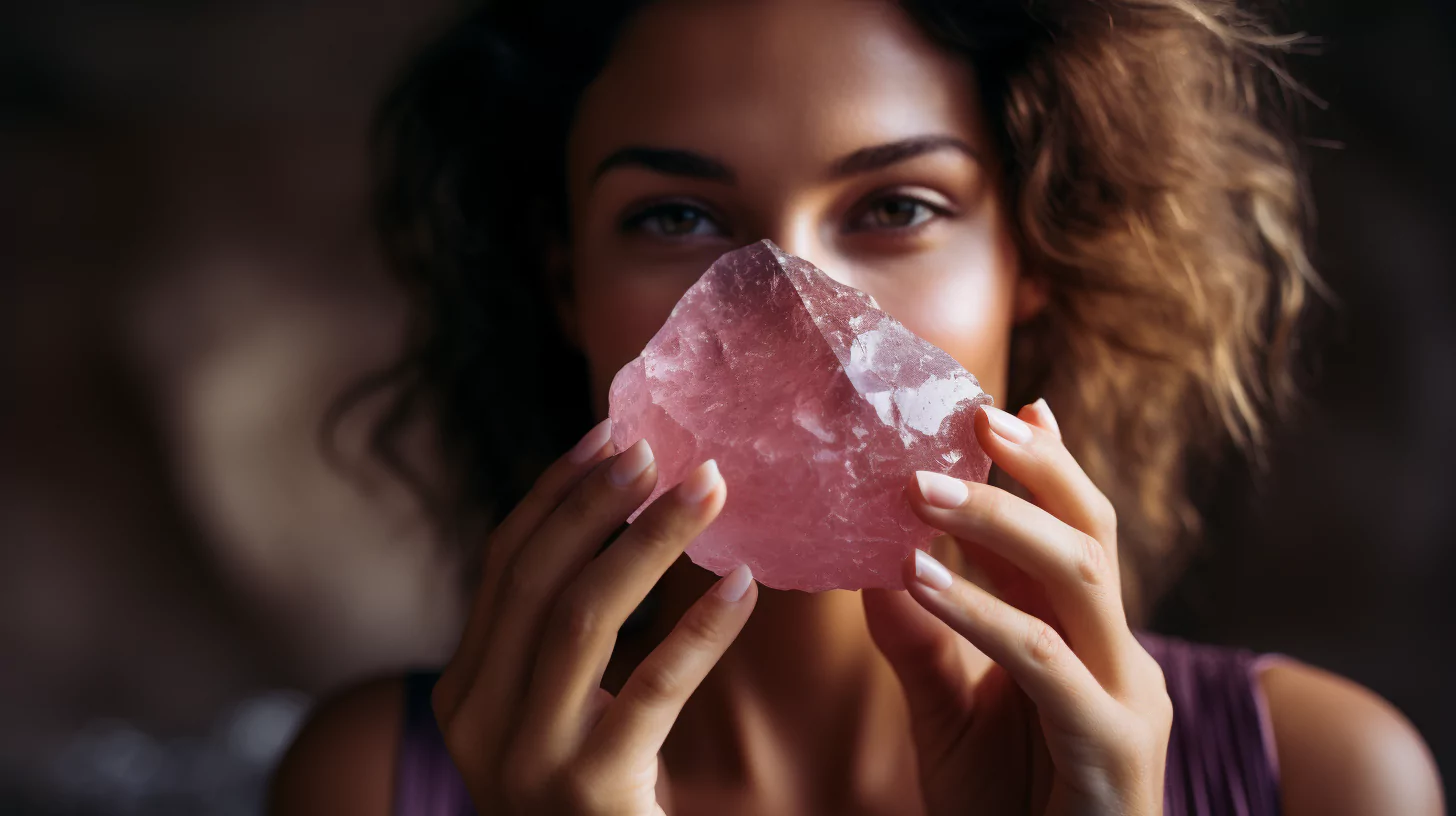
pixel 681 80
pixel 545 712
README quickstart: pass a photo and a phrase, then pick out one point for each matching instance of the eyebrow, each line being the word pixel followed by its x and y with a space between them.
pixel 884 155
pixel 687 164
pixel 668 162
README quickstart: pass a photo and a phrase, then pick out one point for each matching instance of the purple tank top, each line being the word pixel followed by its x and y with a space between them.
pixel 1221 759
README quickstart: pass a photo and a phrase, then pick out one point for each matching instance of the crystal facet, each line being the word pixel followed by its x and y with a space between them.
pixel 817 406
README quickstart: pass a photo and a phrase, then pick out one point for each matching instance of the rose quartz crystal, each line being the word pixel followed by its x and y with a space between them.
pixel 817 406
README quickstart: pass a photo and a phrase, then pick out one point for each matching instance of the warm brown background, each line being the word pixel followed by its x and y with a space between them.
pixel 187 276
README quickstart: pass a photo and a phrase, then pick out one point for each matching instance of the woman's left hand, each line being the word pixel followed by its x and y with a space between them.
pixel 1039 700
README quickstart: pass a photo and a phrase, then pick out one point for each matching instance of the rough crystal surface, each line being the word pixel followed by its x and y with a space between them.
pixel 818 407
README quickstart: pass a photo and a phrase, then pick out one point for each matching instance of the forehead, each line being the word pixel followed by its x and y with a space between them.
pixel 796 80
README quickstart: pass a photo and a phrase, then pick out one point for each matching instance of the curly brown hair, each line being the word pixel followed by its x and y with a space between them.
pixel 1149 168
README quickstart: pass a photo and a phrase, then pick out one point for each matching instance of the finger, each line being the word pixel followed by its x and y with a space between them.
pixel 637 723
pixel 1035 456
pixel 1081 585
pixel 1028 649
pixel 550 488
pixel 551 558
pixel 936 667
pixel 579 639
pixel 1040 414
pixel 549 491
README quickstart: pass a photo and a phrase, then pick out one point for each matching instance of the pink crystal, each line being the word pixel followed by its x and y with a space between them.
pixel 817 406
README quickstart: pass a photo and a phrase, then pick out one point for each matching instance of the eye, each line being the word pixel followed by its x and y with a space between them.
pixel 673 220
pixel 895 212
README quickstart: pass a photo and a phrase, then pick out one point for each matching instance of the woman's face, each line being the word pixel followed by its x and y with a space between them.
pixel 835 129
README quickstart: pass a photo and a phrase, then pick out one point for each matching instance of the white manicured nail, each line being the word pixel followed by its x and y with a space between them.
pixel 940 490
pixel 930 572
pixel 1007 426
pixel 733 586
pixel 630 464
pixel 699 483
pixel 595 439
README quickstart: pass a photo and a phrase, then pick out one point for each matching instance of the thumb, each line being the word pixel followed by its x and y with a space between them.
pixel 937 668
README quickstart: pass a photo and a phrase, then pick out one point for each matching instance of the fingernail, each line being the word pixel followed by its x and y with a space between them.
pixel 595 439
pixel 1048 419
pixel 733 586
pixel 1007 426
pixel 699 483
pixel 630 464
pixel 940 490
pixel 930 572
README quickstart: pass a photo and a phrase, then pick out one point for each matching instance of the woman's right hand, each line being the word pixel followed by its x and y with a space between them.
pixel 520 704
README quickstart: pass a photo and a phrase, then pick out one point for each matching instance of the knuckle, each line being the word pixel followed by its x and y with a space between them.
pixel 1104 514
pixel 520 582
pixel 984 606
pixel 450 734
pixel 581 791
pixel 1162 711
pixel 1043 643
pixel 578 620
pixel 659 538
pixel 1160 702
pixel 657 682
pixel 1157 681
pixel 1146 694
pixel 1052 453
pixel 521 778
pixel 990 509
pixel 1046 449
pixel 1090 559
pixel 576 509
pixel 460 741
pixel 443 697
pixel 701 630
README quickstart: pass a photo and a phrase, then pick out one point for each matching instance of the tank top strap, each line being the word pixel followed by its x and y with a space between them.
pixel 426 782
pixel 1221 757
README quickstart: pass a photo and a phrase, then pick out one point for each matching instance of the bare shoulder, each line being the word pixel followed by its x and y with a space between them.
pixel 1344 750
pixel 342 761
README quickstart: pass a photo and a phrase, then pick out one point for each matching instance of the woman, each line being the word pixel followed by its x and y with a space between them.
pixel 1076 200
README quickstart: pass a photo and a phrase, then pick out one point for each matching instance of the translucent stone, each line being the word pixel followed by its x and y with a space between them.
pixel 817 406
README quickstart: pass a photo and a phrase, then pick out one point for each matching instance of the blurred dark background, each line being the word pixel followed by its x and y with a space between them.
pixel 187 277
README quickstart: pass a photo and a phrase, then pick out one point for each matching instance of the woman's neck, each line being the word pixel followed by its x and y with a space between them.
pixel 801 705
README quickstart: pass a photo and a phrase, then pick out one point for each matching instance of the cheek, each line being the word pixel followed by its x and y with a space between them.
pixel 618 311
pixel 961 298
